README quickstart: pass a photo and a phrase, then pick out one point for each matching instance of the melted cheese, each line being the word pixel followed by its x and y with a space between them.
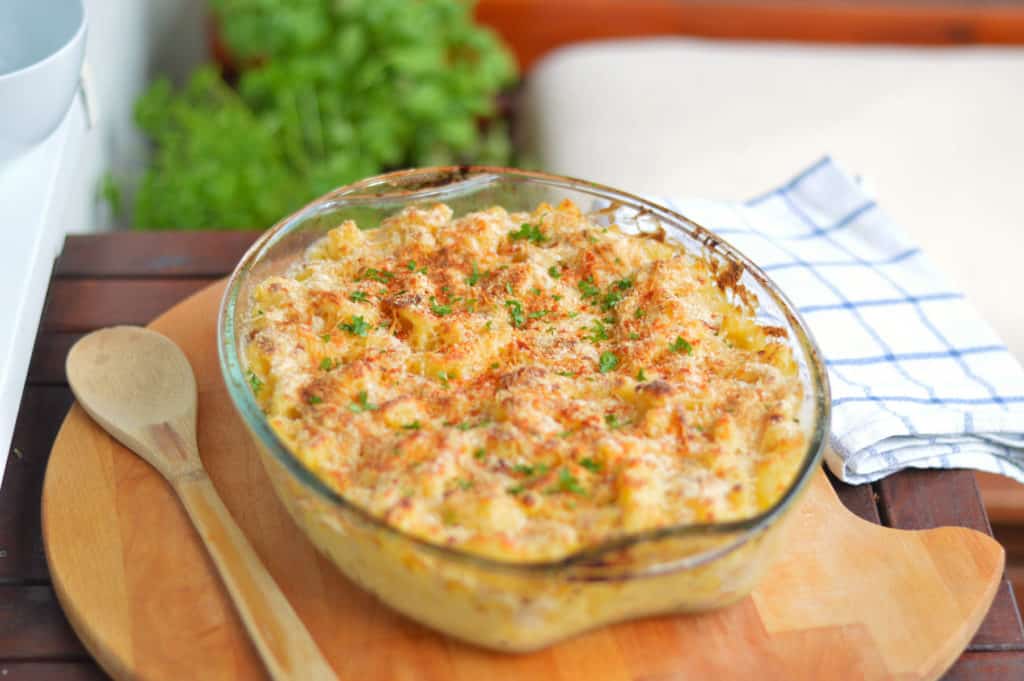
pixel 523 385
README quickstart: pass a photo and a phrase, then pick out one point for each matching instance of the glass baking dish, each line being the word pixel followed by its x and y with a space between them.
pixel 515 606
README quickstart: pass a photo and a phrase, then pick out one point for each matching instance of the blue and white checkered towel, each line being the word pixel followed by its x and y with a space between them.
pixel 918 378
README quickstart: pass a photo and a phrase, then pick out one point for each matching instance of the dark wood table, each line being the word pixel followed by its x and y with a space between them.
pixel 129 278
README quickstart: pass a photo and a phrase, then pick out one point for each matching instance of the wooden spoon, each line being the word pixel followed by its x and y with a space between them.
pixel 138 385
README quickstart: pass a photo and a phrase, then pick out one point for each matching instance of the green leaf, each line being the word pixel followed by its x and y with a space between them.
pixel 529 233
pixel 439 310
pixel 362 403
pixel 356 327
pixel 255 382
pixel 567 482
pixel 681 345
pixel 515 312
pixel 607 362
pixel 587 288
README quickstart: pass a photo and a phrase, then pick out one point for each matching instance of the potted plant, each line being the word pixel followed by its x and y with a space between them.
pixel 319 93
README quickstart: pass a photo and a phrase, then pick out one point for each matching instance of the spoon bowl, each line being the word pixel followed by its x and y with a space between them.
pixel 139 386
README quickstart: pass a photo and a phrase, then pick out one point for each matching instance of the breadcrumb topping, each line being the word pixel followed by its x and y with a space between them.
pixel 522 385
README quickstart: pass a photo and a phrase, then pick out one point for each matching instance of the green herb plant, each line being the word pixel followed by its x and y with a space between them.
pixel 328 92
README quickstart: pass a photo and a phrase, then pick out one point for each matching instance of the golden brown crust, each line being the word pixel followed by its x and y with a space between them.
pixel 523 385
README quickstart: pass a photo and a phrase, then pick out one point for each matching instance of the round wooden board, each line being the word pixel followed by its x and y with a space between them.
pixel 847 600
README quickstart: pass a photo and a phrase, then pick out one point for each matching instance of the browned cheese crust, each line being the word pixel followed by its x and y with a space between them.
pixel 524 385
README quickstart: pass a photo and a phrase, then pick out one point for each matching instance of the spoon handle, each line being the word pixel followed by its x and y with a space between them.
pixel 281 638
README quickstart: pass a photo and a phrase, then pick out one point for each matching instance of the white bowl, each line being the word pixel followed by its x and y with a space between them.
pixel 42 43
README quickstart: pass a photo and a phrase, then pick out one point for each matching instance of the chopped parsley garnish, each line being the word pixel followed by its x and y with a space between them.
pixel 255 382
pixel 411 266
pixel 471 305
pixel 607 362
pixel 640 313
pixel 564 434
pixel 356 327
pixel 624 284
pixel 567 482
pixel 614 423
pixel 681 345
pixel 382 276
pixel 641 376
pixel 362 404
pixel 530 471
pixel 535 291
pixel 610 300
pixel 443 377
pixel 479 454
pixel 634 336
pixel 415 425
pixel 326 338
pixel 315 399
pixel 464 484
pixel 508 287
pixel 474 277
pixel 529 233
pixel 591 465
pixel 357 297
pixel 515 312
pixel 554 272
pixel 495 365
pixel 514 489
pixel 598 332
pixel 538 314
pixel 567 374
pixel 439 310
pixel 587 288
pixel 326 364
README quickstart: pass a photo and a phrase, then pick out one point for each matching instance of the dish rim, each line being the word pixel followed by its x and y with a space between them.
pixel 438 181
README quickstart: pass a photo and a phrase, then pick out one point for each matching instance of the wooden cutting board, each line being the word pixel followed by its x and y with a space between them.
pixel 847 600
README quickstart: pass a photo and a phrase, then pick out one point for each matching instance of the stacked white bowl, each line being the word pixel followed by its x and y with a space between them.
pixel 42 44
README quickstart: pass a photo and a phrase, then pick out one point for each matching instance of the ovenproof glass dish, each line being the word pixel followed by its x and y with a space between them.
pixel 506 605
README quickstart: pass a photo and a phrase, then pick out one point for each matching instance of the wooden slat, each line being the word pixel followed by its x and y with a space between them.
pixel 914 500
pixel 995 666
pixel 1003 498
pixel 917 500
pixel 533 28
pixel 33 627
pixel 42 411
pixel 47 364
pixel 76 305
pixel 860 499
pixel 48 671
pixel 153 254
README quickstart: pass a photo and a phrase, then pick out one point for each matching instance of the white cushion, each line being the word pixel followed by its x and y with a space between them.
pixel 938 135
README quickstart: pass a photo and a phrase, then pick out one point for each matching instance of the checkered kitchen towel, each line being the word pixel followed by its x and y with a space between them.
pixel 918 378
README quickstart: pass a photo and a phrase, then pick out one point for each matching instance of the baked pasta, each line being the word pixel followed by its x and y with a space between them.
pixel 524 385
